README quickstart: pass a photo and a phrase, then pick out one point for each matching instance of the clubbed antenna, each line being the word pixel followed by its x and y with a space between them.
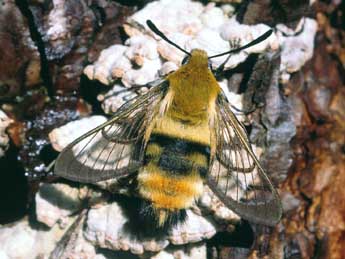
pixel 160 34
pixel 252 43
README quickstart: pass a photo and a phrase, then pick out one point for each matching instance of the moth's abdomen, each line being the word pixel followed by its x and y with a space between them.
pixel 172 176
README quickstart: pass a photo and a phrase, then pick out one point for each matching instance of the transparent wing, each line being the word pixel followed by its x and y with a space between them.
pixel 236 175
pixel 113 149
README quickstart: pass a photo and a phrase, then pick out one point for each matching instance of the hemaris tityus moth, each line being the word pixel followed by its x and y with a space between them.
pixel 173 140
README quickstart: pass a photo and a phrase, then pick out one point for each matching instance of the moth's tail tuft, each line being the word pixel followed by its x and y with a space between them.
pixel 147 221
pixel 160 219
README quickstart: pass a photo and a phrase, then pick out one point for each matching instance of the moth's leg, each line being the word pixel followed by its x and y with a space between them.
pixel 234 44
pixel 265 69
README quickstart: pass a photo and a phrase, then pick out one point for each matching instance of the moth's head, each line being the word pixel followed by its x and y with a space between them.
pixel 197 57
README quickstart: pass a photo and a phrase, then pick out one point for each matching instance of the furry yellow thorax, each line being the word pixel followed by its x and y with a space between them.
pixel 194 89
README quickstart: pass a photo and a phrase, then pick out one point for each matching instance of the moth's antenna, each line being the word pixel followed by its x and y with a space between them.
pixel 252 43
pixel 160 34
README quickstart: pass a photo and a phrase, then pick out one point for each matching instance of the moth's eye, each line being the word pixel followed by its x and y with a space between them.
pixel 185 60
pixel 210 65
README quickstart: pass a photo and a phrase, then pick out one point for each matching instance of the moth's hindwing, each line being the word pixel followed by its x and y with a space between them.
pixel 113 149
pixel 236 175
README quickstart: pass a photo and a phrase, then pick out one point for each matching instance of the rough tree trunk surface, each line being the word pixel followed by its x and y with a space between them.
pixel 42 87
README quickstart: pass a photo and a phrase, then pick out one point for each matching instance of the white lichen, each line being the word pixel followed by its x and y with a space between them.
pixel 111 64
pixel 4 139
pixel 195 251
pixel 142 47
pixel 297 46
pixel 170 16
pixel 57 21
pixel 167 68
pixel 115 98
pixel 62 136
pixel 148 72
pixel 56 202
pixel 21 240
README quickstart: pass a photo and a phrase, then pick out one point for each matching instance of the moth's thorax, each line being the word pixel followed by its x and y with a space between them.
pixel 194 86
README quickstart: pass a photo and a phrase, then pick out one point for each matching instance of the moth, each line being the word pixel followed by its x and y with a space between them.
pixel 171 141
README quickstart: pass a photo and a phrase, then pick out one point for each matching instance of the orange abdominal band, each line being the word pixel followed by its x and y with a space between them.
pixel 169 192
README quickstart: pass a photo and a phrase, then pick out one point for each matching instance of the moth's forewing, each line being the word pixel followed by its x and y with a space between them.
pixel 94 158
pixel 236 175
pixel 111 150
